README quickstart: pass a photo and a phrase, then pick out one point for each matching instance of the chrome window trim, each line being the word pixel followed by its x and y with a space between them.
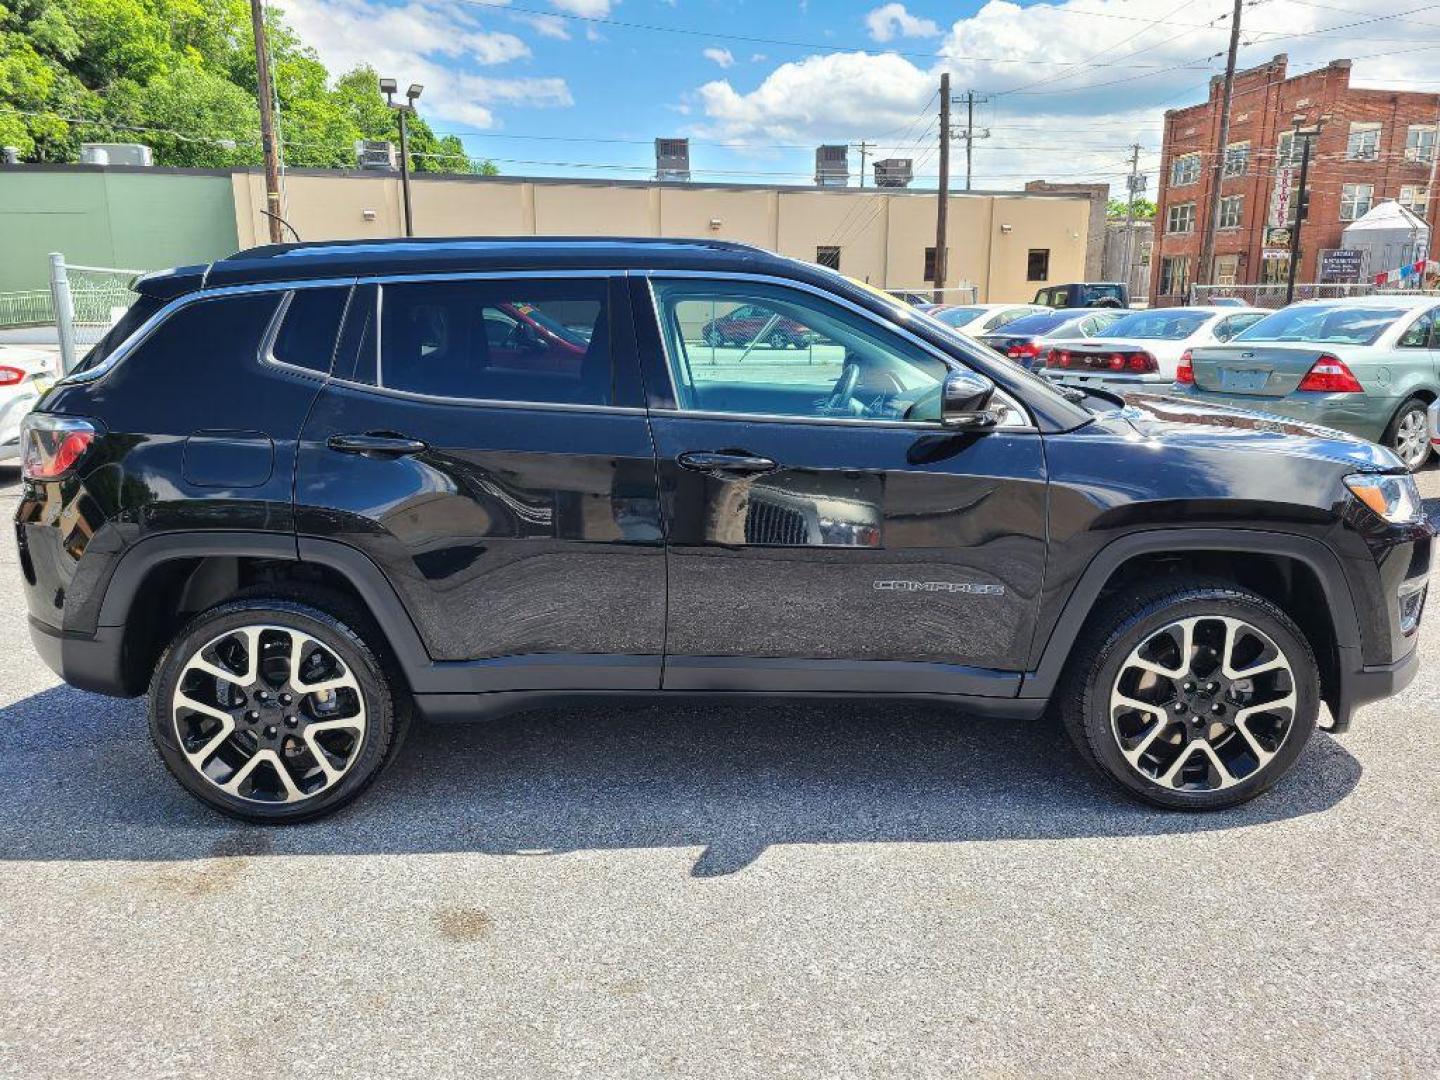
pixel 949 362
pixel 150 325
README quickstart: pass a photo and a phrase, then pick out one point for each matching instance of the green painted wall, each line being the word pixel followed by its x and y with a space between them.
pixel 138 220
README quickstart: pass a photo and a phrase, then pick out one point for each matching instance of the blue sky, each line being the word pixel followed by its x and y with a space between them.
pixel 581 87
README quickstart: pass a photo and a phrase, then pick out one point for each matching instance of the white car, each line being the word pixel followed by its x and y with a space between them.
pixel 1142 350
pixel 25 373
pixel 976 320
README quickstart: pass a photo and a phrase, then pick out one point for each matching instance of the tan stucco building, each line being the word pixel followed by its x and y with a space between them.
pixel 998 240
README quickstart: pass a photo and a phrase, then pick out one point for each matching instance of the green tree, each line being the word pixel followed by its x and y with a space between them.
pixel 1144 209
pixel 180 76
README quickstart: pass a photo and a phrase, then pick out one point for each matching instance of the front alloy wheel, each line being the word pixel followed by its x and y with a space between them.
pixel 1203 704
pixel 1190 694
pixel 272 711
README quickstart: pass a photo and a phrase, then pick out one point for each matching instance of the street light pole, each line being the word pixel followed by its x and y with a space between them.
pixel 389 87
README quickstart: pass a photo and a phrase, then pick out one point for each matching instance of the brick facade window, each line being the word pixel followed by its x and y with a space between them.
pixel 1415 198
pixel 1185 169
pixel 1237 159
pixel 1420 143
pixel 1227 269
pixel 1364 142
pixel 1232 211
pixel 1180 218
pixel 1356 200
pixel 1289 149
pixel 1174 275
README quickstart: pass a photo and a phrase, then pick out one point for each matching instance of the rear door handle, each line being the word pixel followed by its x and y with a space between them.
pixel 708 461
pixel 376 444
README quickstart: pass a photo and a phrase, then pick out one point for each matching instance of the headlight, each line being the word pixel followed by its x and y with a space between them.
pixel 1393 496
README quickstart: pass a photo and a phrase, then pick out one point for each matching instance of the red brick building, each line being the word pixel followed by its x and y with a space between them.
pixel 1372 145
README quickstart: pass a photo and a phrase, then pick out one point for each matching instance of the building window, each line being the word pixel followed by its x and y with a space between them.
pixel 1037 266
pixel 1180 218
pixel 1277 271
pixel 1420 143
pixel 1227 269
pixel 1185 169
pixel 1415 198
pixel 1237 159
pixel 829 256
pixel 1364 142
pixel 930 262
pixel 1174 275
pixel 1232 210
pixel 1356 200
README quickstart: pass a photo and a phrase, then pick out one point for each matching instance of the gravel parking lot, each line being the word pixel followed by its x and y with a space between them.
pixel 712 891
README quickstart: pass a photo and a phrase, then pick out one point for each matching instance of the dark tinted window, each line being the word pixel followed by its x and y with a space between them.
pixel 545 341
pixel 221 333
pixel 306 337
pixel 1037 324
pixel 128 323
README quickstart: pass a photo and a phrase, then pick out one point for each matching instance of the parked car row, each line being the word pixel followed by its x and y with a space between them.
pixel 1367 365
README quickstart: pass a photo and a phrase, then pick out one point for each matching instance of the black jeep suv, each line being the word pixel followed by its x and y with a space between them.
pixel 309 491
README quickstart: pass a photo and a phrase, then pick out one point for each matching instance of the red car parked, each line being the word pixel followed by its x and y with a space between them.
pixel 748 323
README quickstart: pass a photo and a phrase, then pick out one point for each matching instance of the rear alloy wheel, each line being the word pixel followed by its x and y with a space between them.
pixel 271 711
pixel 1198 697
pixel 1407 435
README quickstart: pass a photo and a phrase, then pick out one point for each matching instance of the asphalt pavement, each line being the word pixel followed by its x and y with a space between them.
pixel 714 891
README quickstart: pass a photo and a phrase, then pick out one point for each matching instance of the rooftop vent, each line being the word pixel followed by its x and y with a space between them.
pixel 832 166
pixel 894 172
pixel 672 159
pixel 376 155
pixel 115 154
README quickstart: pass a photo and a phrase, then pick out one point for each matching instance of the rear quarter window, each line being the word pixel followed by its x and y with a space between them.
pixel 306 335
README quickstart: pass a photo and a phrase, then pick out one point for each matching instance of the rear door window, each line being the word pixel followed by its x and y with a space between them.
pixel 497 340
pixel 1417 334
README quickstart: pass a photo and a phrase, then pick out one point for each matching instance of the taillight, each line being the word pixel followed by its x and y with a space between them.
pixel 9 376
pixel 1185 373
pixel 1023 350
pixel 1143 362
pixel 1329 375
pixel 53 444
pixel 1058 358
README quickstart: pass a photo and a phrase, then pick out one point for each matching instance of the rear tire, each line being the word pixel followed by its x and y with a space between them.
pixel 273 711
pixel 1408 436
pixel 1191 695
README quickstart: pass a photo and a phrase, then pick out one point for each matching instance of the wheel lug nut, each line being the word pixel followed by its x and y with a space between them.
pixel 290 721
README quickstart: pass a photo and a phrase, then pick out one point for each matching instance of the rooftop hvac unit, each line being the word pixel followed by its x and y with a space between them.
pixel 894 172
pixel 95 153
pixel 672 159
pixel 376 154
pixel 832 166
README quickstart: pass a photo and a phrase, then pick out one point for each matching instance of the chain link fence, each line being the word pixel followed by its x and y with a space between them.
pixel 1273 296
pixel 86 301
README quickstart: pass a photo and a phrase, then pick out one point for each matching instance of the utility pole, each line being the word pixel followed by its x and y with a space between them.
pixel 267 122
pixel 970 135
pixel 1132 187
pixel 942 207
pixel 1206 271
pixel 1300 209
pixel 864 148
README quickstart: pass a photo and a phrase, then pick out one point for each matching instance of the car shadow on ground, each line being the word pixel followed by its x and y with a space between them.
pixel 79 780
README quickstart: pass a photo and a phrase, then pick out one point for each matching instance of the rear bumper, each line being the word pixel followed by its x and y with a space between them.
pixel 86 662
pixel 1358 414
pixel 1154 383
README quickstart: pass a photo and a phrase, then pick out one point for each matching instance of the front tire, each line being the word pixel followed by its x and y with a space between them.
pixel 1191 696
pixel 1408 436
pixel 272 711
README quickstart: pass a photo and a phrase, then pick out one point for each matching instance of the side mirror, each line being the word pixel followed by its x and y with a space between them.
pixel 965 401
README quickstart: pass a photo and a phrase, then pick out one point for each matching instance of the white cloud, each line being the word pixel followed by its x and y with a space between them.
pixel 892 21
pixel 1071 82
pixel 429 42
pixel 591 9
pixel 551 26
pixel 722 57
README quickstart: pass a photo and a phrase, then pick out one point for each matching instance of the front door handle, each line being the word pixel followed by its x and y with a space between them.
pixel 708 461
pixel 376 444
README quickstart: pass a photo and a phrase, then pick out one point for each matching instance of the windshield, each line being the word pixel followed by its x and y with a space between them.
pixel 958 316
pixel 1159 325
pixel 1040 323
pixel 1319 323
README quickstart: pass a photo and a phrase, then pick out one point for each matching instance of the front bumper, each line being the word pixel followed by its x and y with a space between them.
pixel 1364 415
pixel 1361 684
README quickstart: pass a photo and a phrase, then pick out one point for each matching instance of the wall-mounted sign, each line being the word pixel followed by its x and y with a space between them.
pixel 1280 199
pixel 1275 254
pixel 1341 264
